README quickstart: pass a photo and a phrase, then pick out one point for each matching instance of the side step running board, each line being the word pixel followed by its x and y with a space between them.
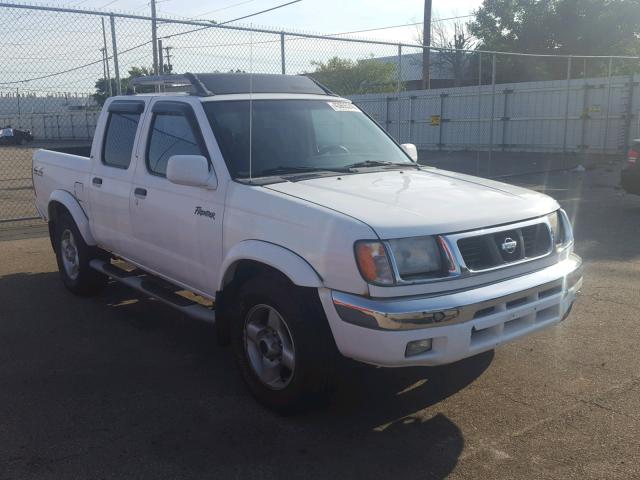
pixel 145 284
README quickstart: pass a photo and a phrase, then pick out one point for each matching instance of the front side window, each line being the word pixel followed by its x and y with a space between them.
pixel 119 139
pixel 171 134
pixel 298 135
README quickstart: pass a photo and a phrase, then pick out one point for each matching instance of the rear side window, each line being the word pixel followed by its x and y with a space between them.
pixel 119 138
pixel 171 134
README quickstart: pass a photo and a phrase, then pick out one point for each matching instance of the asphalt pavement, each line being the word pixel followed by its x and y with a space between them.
pixel 121 387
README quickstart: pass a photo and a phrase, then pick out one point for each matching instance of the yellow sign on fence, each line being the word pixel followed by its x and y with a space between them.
pixel 435 120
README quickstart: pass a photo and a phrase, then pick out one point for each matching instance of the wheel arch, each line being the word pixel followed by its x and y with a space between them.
pixel 272 256
pixel 252 257
pixel 61 200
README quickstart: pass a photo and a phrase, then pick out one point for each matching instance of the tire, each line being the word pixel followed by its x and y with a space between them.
pixel 73 256
pixel 267 301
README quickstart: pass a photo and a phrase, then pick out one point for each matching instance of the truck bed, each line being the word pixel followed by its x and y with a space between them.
pixel 59 171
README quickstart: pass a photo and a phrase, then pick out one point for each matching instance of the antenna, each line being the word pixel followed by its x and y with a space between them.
pixel 251 105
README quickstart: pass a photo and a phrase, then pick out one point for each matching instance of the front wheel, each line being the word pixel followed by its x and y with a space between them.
pixel 282 343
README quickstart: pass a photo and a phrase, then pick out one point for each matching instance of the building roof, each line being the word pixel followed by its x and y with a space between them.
pixel 411 66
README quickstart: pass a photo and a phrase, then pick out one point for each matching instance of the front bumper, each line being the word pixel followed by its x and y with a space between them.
pixel 459 324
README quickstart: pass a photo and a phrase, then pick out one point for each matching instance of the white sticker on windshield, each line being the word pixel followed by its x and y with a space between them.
pixel 343 107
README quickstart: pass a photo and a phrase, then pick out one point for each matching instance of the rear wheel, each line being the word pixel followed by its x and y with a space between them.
pixel 282 343
pixel 73 256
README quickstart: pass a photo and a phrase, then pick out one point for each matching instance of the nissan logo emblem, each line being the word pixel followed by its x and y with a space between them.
pixel 509 245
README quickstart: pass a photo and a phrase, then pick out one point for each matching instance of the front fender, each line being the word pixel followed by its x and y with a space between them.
pixel 73 206
pixel 296 268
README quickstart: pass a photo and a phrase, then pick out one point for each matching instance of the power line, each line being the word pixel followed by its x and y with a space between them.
pixel 261 12
pixel 208 12
pixel 242 44
pixel 14 82
pixel 213 25
pixel 107 4
pixel 402 25
pixel 451 18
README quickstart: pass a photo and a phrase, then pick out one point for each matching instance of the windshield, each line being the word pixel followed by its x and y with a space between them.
pixel 291 136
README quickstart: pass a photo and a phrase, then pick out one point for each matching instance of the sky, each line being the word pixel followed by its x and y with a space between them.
pixel 326 16
pixel 65 51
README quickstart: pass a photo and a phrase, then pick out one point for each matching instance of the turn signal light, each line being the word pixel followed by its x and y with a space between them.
pixel 373 262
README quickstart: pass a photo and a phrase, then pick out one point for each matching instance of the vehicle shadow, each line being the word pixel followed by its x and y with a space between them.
pixel 127 384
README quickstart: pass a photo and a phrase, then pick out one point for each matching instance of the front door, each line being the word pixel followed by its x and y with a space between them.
pixel 174 225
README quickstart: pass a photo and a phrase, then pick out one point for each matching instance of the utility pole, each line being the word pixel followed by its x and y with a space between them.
pixel 116 66
pixel 168 56
pixel 104 68
pixel 154 37
pixel 106 59
pixel 426 42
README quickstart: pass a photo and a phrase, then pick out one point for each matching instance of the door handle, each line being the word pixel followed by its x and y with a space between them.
pixel 140 192
pixel 97 181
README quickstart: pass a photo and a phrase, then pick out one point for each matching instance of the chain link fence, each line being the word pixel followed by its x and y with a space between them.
pixel 486 113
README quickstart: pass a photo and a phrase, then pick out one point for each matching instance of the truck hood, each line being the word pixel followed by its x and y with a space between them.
pixel 410 203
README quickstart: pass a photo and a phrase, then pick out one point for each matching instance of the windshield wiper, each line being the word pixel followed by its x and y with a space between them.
pixel 285 170
pixel 377 163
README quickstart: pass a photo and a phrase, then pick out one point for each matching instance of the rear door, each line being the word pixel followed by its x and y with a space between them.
pixel 175 227
pixel 112 173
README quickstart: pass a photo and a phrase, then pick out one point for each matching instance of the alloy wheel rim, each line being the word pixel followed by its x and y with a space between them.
pixel 269 346
pixel 69 254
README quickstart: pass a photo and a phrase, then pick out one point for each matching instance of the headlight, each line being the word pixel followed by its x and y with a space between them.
pixel 561 228
pixel 373 262
pixel 412 258
pixel 416 257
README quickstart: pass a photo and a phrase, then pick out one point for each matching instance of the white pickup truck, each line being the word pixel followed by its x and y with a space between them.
pixel 307 228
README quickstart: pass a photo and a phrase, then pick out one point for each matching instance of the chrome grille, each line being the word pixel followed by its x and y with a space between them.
pixel 476 252
pixel 536 240
pixel 508 245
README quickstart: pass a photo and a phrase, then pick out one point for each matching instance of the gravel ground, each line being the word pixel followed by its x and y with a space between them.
pixel 16 188
pixel 119 386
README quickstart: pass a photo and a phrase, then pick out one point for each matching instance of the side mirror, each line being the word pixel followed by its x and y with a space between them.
pixel 191 170
pixel 411 150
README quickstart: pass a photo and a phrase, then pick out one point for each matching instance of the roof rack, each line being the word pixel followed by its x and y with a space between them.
pixel 209 84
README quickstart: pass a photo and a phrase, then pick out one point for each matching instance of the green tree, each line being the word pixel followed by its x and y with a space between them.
pixel 102 85
pixel 575 27
pixel 348 77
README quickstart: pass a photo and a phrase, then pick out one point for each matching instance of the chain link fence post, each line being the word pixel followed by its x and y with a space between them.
pixel 399 89
pixel 585 114
pixel 628 112
pixel 566 107
pixel 606 120
pixel 283 63
pixel 479 124
pixel 493 111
